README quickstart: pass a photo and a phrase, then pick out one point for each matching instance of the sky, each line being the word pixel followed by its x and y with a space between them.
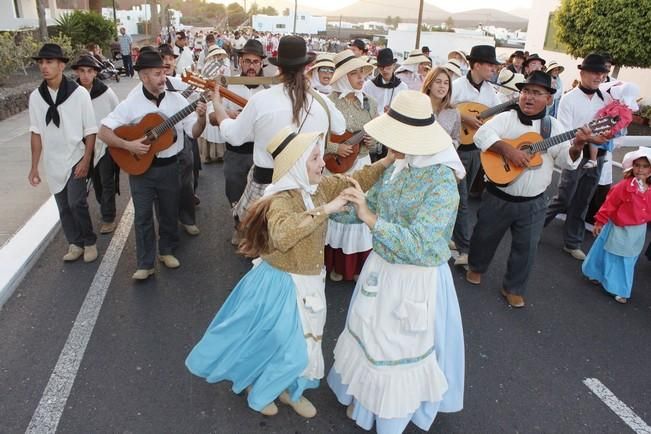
pixel 451 6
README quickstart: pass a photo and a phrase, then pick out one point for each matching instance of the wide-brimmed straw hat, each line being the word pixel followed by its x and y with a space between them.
pixel 346 62
pixel 416 57
pixel 409 126
pixel 554 65
pixel 322 59
pixel 630 157
pixel 453 66
pixel 216 51
pixel 508 80
pixel 286 147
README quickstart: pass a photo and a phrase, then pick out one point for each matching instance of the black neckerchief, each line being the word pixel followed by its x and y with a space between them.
pixel 180 49
pixel 156 99
pixel 170 86
pixel 591 91
pixel 393 83
pixel 66 88
pixel 97 89
pixel 473 84
pixel 526 119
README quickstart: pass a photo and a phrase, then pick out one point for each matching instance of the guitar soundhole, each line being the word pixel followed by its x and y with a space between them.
pixel 526 148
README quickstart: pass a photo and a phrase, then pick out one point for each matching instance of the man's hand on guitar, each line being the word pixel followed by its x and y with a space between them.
pixel 344 150
pixel 582 137
pixel 518 158
pixel 201 109
pixel 138 147
pixel 472 121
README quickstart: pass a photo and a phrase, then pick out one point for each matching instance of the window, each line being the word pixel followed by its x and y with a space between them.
pixel 17 11
pixel 303 17
pixel 551 40
pixel 280 26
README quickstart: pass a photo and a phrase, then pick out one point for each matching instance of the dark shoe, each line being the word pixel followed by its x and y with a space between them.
pixel 473 277
pixel 513 300
pixel 197 201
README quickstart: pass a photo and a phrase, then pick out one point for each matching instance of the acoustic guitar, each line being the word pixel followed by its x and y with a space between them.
pixel 337 164
pixel 482 113
pixel 200 82
pixel 501 171
pixel 160 135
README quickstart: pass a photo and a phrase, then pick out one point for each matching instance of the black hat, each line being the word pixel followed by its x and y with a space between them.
pixel 166 50
pixel 359 44
pixel 181 34
pixel 594 62
pixel 292 51
pixel 88 61
pixel 253 46
pixel 483 54
pixel 385 57
pixel 425 49
pixel 518 53
pixel 533 57
pixel 538 78
pixel 148 58
pixel 51 51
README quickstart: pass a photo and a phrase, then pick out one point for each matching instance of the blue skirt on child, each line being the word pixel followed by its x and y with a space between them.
pixel 256 339
pixel 614 272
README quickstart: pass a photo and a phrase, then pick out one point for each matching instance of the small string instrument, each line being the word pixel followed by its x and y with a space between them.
pixel 337 164
pixel 194 79
pixel 502 172
pixel 481 112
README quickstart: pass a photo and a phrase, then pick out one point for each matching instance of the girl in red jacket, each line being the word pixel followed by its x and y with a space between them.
pixel 621 227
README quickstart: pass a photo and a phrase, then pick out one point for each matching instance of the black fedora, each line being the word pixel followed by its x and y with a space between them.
pixel 51 51
pixel 594 62
pixel 385 57
pixel 88 61
pixel 538 78
pixel 292 51
pixel 253 46
pixel 483 54
pixel 148 58
pixel 518 53
pixel 166 50
pixel 359 44
pixel 533 57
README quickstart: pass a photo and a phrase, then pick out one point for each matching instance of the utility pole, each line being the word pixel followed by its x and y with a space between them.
pixel 295 13
pixel 115 19
pixel 420 23
pixel 339 31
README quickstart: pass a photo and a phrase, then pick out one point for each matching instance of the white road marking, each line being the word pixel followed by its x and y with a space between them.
pixel 618 407
pixel 47 415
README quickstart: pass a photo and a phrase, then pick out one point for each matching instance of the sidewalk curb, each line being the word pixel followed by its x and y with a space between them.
pixel 20 253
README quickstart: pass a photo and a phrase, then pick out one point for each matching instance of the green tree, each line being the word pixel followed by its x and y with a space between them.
pixel 449 23
pixel 254 9
pixel 84 27
pixel 619 27
pixel 269 10
pixel 388 21
pixel 236 14
pixel 286 12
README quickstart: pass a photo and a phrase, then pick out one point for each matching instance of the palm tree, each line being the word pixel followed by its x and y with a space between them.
pixel 42 23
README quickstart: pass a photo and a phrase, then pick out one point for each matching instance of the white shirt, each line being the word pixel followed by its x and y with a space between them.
pixel 534 181
pixel 184 60
pixel 269 111
pixel 238 43
pixel 102 106
pixel 382 95
pixel 464 91
pixel 63 146
pixel 136 106
pixel 577 109
pixel 212 133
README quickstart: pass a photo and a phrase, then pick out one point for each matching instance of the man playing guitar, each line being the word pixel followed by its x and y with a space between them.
pixel 161 181
pixel 519 207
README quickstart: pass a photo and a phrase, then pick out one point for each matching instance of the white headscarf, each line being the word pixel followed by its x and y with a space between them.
pixel 344 87
pixel 447 157
pixel 316 84
pixel 297 179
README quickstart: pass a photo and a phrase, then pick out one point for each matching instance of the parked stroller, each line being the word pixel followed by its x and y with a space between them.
pixel 109 71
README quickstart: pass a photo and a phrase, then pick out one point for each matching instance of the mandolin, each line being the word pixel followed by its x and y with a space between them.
pixel 337 164
pixel 501 171
pixel 481 112
pixel 198 81
pixel 160 134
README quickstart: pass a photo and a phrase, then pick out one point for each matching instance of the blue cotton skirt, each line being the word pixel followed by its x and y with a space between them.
pixel 256 339
pixel 614 272
pixel 402 351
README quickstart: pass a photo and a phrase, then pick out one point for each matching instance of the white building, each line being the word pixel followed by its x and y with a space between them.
pixel 305 23
pixel 540 39
pixel 20 14
pixel 129 19
pixel 374 25
pixel 440 43
pixel 341 25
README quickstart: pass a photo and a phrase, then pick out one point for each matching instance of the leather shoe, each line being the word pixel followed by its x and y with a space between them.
pixel 170 261
pixel 575 253
pixel 462 259
pixel 336 277
pixel 143 274
pixel 107 228
pixel 302 407
pixel 191 229
pixel 513 300
pixel 90 253
pixel 74 252
pixel 473 277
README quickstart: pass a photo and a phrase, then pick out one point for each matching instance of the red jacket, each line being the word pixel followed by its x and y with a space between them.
pixel 625 205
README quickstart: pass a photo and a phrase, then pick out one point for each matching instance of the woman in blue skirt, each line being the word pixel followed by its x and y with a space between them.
pixel 266 338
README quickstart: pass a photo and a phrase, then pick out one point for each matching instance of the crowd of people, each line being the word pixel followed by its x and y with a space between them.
pixel 350 167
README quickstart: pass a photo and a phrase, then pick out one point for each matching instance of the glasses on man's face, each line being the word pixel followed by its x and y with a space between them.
pixel 249 62
pixel 534 93
pixel 327 70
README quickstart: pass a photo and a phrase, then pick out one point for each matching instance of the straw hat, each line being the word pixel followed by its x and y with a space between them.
pixel 508 81
pixel 346 62
pixel 409 126
pixel 216 51
pixel 630 157
pixel 554 65
pixel 286 147
pixel 322 59
pixel 416 57
pixel 453 66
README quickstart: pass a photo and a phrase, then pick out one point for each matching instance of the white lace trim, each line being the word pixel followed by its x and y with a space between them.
pixel 351 238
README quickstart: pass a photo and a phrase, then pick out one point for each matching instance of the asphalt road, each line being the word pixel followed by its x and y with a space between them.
pixel 524 368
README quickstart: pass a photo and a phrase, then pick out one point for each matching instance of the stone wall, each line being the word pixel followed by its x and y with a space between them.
pixel 14 102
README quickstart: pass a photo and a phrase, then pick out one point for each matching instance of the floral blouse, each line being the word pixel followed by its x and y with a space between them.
pixel 415 211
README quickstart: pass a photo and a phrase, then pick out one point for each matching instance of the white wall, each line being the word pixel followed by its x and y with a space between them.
pixel 305 23
pixel 537 30
pixel 440 43
pixel 26 16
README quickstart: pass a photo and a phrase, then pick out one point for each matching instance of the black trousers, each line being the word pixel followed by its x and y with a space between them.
pixel 186 177
pixel 73 212
pixel 105 183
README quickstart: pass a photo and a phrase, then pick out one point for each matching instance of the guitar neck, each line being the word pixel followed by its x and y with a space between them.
pixel 497 109
pixel 547 143
pixel 175 119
